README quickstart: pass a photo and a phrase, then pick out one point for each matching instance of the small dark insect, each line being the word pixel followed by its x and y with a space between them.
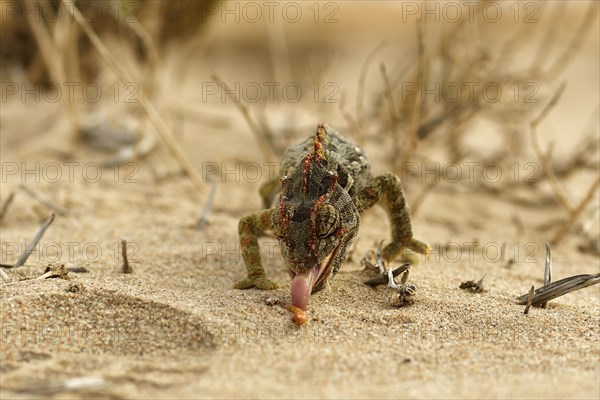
pixel 472 286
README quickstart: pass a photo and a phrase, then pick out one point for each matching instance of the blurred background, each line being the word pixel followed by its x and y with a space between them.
pixel 178 84
pixel 156 122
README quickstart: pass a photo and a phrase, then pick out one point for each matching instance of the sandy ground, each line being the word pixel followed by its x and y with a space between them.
pixel 175 329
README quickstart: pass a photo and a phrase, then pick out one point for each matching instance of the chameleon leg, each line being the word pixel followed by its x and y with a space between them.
pixel 249 228
pixel 268 191
pixel 387 187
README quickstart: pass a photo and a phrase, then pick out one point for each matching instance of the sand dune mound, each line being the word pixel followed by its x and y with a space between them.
pixel 98 321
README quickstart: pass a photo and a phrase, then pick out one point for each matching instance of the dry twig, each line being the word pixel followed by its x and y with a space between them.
pixel 260 136
pixel 360 92
pixel 125 268
pixel 352 123
pixel 35 241
pixel 576 212
pixel 547 270
pixel 542 52
pixel 52 271
pixel 4 276
pixel 530 296
pixel 410 147
pixel 560 288
pixel 383 278
pixel 543 157
pixel 58 209
pixel 207 206
pixel 147 106
pixel 6 204
pixel 50 51
pixel 391 103
pixel 416 204
pixel 575 45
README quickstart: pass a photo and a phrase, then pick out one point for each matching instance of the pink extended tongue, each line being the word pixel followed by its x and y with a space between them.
pixel 302 286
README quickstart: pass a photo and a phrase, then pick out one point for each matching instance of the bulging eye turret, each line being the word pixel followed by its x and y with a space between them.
pixel 328 219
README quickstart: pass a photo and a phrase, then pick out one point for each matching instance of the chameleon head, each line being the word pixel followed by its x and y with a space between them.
pixel 315 223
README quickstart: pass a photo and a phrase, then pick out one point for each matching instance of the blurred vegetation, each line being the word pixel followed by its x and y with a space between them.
pixel 159 23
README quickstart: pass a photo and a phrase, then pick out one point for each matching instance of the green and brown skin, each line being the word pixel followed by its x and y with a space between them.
pixel 326 185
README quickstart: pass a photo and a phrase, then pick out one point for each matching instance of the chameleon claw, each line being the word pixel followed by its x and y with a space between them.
pixel 261 282
pixel 407 250
pixel 419 247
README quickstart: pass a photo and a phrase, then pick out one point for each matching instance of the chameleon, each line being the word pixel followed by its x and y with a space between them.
pixel 325 184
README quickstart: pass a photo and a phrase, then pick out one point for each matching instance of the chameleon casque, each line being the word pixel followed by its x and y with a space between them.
pixel 326 183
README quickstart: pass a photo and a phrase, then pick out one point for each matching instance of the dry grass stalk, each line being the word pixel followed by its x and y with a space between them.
pixel 146 38
pixel 50 51
pixel 582 157
pixel 547 270
pixel 576 212
pixel 543 157
pixel 518 223
pixel 578 39
pixel 58 209
pixel 207 206
pixel 260 136
pixel 390 102
pixel 4 276
pixel 542 52
pixel 52 271
pixel 351 122
pixel 151 50
pixel 125 268
pixel 393 110
pixel 360 92
pixel 416 204
pixel 147 106
pixel 35 241
pixel 66 37
pixel 383 278
pixel 6 204
pixel 46 45
pixel 411 145
pixel 559 288
pixel 191 114
pixel 530 297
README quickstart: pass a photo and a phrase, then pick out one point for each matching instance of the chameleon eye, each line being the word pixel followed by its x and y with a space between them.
pixel 327 220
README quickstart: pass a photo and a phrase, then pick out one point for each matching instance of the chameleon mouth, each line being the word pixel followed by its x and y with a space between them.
pixel 304 282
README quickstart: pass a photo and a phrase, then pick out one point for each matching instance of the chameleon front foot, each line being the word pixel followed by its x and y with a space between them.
pixel 418 247
pixel 407 251
pixel 261 282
